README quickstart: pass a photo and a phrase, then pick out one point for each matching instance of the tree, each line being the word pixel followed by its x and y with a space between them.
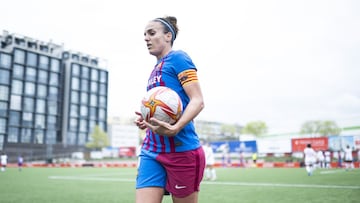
pixel 99 139
pixel 323 128
pixel 256 128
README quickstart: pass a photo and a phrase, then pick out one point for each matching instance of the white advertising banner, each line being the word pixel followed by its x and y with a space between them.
pixel 124 135
pixel 272 145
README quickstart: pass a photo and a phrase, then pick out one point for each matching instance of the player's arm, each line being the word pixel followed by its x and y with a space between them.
pixel 194 107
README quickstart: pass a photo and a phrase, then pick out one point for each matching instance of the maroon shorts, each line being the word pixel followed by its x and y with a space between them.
pixel 184 170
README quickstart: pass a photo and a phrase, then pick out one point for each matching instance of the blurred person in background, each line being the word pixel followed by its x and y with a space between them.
pixel 327 159
pixel 339 155
pixel 321 159
pixel 3 160
pixel 254 158
pixel 210 172
pixel 20 162
pixel 348 158
pixel 310 159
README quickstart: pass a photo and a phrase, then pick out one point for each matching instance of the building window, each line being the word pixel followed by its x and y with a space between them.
pixel 4 77
pixel 31 59
pixel 52 107
pixel 50 137
pixel 102 125
pixel 85 72
pixel 73 124
pixel 19 56
pixel 84 85
pixel 2 140
pixel 17 87
pixel 28 104
pixel 93 113
pixel 74 97
pixel 102 115
pixel 40 106
pixel 93 100
pixel 13 135
pixel 41 91
pixel 3 108
pixel 75 69
pixel 54 79
pixel 55 65
pixel 84 98
pixel 102 90
pixel 30 74
pixel 2 125
pixel 53 93
pixel 43 76
pixel 39 121
pixel 5 60
pixel 14 118
pixel 71 138
pixel 94 87
pixel 43 62
pixel 83 125
pixel 103 76
pixel 75 83
pixel 94 75
pixel 4 93
pixel 92 125
pixel 74 110
pixel 39 136
pixel 30 88
pixel 82 139
pixel 27 119
pixel 51 122
pixel 25 135
pixel 18 71
pixel 15 102
pixel 102 101
pixel 84 111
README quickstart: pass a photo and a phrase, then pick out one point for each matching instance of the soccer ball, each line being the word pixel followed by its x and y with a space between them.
pixel 161 103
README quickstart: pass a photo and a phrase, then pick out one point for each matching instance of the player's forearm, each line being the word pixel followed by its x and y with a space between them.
pixel 194 107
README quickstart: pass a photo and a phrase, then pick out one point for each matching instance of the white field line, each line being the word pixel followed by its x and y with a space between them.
pixel 283 185
pixel 91 178
pixel 212 183
pixel 332 171
pixel 107 174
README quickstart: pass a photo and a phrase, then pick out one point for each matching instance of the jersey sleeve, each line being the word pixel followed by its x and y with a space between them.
pixel 185 69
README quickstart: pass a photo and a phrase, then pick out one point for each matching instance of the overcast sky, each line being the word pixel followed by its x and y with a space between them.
pixel 282 62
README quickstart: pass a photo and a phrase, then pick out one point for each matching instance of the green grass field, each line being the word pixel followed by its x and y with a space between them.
pixel 80 185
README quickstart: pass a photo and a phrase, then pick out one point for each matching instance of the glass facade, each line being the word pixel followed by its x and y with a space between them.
pixel 34 91
pixel 88 97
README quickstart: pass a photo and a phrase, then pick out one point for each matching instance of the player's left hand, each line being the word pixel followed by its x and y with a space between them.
pixel 161 127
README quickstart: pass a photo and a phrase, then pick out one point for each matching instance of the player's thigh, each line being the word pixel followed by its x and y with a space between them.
pixel 149 195
pixel 192 198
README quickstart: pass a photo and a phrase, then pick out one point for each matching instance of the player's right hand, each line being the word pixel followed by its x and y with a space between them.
pixel 139 122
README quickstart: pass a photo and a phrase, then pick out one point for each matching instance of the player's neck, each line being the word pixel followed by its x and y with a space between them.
pixel 164 54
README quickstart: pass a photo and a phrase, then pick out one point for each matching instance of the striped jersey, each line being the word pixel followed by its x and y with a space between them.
pixel 174 70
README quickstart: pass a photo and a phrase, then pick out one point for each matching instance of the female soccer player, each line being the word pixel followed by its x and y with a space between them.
pixel 171 157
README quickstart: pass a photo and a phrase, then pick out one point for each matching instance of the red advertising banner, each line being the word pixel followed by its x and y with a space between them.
pixel 317 143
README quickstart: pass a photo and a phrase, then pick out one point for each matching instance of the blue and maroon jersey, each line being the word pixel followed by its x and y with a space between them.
pixel 174 71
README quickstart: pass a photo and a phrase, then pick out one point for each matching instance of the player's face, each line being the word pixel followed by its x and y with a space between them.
pixel 156 40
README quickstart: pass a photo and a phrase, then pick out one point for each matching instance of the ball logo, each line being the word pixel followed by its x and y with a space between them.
pixel 162 103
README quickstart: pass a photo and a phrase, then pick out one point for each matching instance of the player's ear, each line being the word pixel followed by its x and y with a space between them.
pixel 168 37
